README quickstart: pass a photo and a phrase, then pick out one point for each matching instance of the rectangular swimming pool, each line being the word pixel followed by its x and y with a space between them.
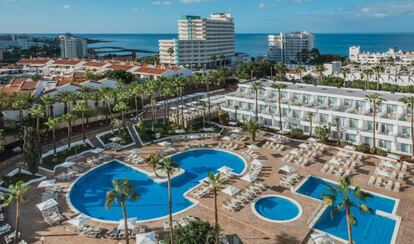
pixel 371 228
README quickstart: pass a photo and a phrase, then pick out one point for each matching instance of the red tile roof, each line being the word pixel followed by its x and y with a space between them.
pixel 151 70
pixel 120 67
pixel 26 61
pixel 69 62
pixel 94 64
pixel 29 85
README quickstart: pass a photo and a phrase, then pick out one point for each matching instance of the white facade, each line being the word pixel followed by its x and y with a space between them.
pixel 20 41
pixel 327 104
pixel 72 47
pixel 333 67
pixel 199 40
pixel 285 47
pixel 398 56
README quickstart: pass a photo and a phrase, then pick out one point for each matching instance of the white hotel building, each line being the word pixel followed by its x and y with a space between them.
pixel 284 48
pixel 327 104
pixel 199 40
pixel 399 57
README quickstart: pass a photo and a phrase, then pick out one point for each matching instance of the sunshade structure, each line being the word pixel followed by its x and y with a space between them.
pixel 226 138
pixel 259 162
pixel 50 203
pixel 97 150
pixel 146 238
pixel 287 169
pixel 231 190
pixel 135 151
pixel 115 139
pixel 225 170
pixel 313 139
pixel 249 178
pixel 66 164
pixel 131 222
pixel 193 137
pixel 164 143
pixel 79 221
pixel 180 131
pixel 47 183
pixel 252 146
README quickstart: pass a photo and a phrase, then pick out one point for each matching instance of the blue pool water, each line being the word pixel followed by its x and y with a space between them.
pixel 277 208
pixel 88 193
pixel 370 229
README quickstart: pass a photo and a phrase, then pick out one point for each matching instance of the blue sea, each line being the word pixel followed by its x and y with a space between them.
pixel 256 44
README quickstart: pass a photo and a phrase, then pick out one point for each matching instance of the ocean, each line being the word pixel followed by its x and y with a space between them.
pixel 256 44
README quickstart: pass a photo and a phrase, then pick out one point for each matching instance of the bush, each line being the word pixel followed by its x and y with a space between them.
pixel 364 147
pixel 381 152
pixel 296 133
pixel 194 232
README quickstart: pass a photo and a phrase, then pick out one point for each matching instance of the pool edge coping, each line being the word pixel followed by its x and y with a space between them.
pixel 296 203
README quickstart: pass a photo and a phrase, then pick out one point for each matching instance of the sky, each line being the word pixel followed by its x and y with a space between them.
pixel 251 16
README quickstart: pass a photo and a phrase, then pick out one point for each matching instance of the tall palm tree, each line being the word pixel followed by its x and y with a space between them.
pixel 53 123
pixel 213 59
pixel 320 69
pixel 214 183
pixel 135 91
pixel 207 80
pixel 108 96
pixel 367 73
pixel 38 111
pixel 345 71
pixel 4 104
pixel 256 87
pixel 21 101
pixel 301 69
pixel 222 58
pixel 122 107
pixel 169 167
pixel 376 100
pixel 68 118
pixel 409 102
pixel 153 160
pixel 378 69
pixel 167 91
pixel 122 190
pixel 252 126
pixel 151 88
pixel 73 98
pixel 280 69
pixel 16 194
pixel 48 102
pixel 279 86
pixel 236 109
pixel 310 117
pixel 65 98
pixel 82 108
pixel 180 83
pixel 344 192
pixel 338 132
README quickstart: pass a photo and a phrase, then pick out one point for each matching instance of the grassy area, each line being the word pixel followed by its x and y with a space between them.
pixel 51 161
pixel 168 129
pixel 10 180
pixel 128 138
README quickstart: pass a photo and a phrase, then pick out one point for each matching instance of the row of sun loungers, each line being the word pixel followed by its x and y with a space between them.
pixel 52 216
pixel 229 146
pixel 301 161
pixel 238 201
pixel 250 154
pixel 378 182
pixel 65 177
pixel 276 147
pixel 199 145
pixel 290 180
pixel 4 229
pixel 114 146
pixel 338 171
pixel 204 189
pixel 134 159
pixel 102 158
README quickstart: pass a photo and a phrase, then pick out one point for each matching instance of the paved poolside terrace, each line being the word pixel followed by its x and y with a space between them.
pixel 244 223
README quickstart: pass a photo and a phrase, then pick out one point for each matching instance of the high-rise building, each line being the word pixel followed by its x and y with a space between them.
pixel 201 41
pixel 72 47
pixel 285 47
pixel 1 55
pixel 20 41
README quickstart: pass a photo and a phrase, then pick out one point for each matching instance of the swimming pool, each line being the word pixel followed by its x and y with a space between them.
pixel 277 209
pixel 373 228
pixel 88 193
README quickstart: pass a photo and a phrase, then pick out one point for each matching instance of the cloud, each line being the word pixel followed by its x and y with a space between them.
pixel 66 6
pixel 261 5
pixel 386 9
pixel 162 2
pixel 137 9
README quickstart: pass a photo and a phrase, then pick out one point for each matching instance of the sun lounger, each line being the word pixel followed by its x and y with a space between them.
pixel 4 229
pixel 331 169
pixel 397 186
pixel 389 185
pixel 378 182
pixel 371 180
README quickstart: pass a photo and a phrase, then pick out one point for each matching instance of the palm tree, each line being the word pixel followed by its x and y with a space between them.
pixel 180 83
pixel 409 102
pixel 153 160
pixel 214 183
pixel 207 80
pixel 320 69
pixel 167 91
pixel 367 73
pixel 338 132
pixel 82 108
pixel 280 69
pixel 222 58
pixel 121 191
pixel 73 97
pixel 213 59
pixel 169 167
pixel 4 104
pixel 279 86
pixel 65 98
pixel 48 101
pixel 122 107
pixel 378 69
pixel 376 100
pixel 344 192
pixel 108 96
pixel 16 194
pixel 252 126
pixel 310 117
pixel 151 88
pixel 301 69
pixel 37 111
pixel 69 117
pixel 345 71
pixel 21 101
pixel 53 123
pixel 256 87
pixel 135 91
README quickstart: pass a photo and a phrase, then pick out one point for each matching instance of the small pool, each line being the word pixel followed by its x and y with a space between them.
pixel 277 209
pixel 88 193
pixel 373 228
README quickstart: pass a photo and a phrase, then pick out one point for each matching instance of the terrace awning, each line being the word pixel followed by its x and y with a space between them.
pixel 259 162
pixel 47 204
pixel 164 143
pixel 225 170
pixel 79 221
pixel 47 183
pixel 287 169
pixel 249 178
pixel 231 190
pixel 131 223
pixel 146 238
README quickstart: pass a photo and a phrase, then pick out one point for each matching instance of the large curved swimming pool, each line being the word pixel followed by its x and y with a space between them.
pixel 88 193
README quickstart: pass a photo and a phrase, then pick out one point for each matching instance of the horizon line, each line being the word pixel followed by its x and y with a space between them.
pixel 165 33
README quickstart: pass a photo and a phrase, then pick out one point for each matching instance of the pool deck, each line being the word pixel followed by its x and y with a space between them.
pixel 249 227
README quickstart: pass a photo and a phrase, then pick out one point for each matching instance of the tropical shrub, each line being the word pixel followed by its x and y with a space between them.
pixel 364 147
pixel 296 133
pixel 194 233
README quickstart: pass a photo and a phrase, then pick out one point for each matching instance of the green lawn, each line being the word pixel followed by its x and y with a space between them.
pixel 128 138
pixel 147 134
pixel 51 161
pixel 11 180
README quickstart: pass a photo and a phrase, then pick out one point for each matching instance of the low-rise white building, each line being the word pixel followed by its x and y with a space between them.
pixel 328 105
pixel 398 56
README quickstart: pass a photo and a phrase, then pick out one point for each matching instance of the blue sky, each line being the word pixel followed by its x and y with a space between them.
pixel 251 16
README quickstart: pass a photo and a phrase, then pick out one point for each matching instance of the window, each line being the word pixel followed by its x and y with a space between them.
pixel 321 100
pixel 353 123
pixel 348 103
pixel 391 108
pixel 285 112
pixel 384 144
pixel 272 109
pixel 367 140
pixel 306 129
pixel 350 137
pixel 331 101
pixel 306 98
pixel 405 148
pixel 370 125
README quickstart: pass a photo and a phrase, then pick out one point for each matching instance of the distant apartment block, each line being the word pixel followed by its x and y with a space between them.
pixel 1 55
pixel 396 56
pixel 201 41
pixel 328 105
pixel 72 47
pixel 285 47
pixel 19 41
